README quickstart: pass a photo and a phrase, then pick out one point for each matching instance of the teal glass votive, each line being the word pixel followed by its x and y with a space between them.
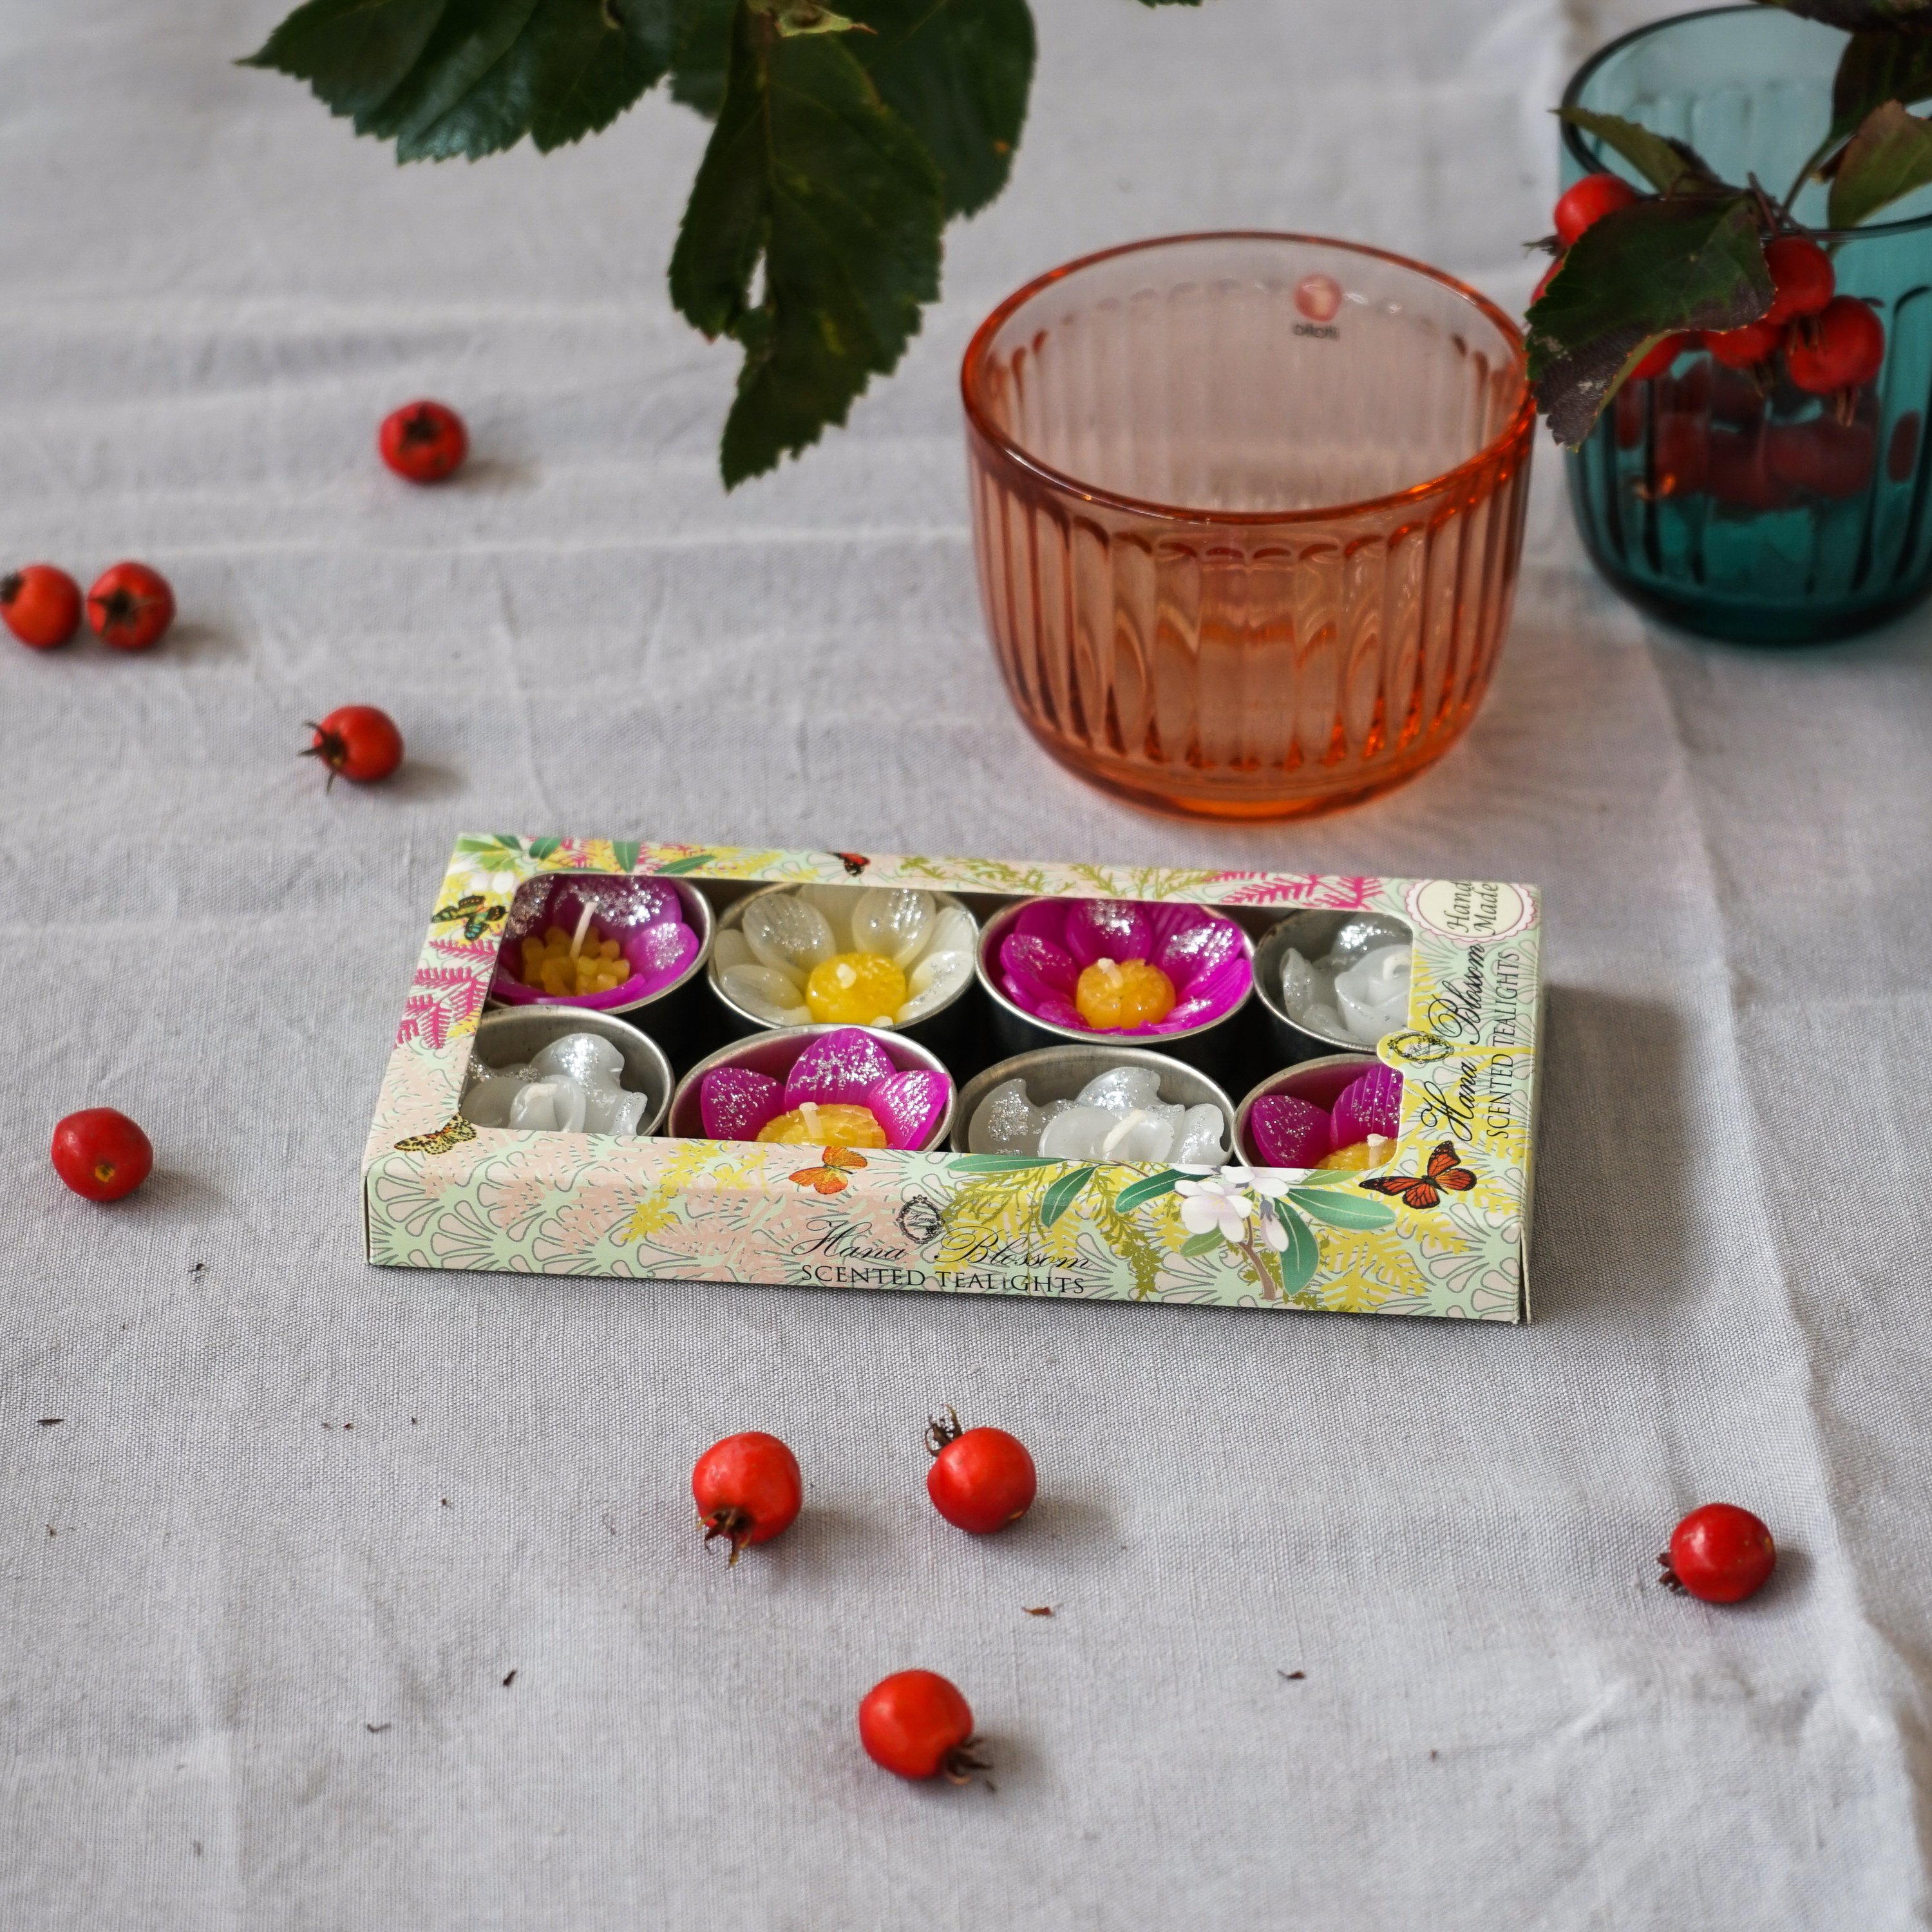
pixel 1760 518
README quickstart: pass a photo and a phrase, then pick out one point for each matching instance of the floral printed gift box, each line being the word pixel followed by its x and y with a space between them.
pixel 440 1193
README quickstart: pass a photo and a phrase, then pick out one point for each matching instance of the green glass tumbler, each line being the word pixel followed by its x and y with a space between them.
pixel 1765 518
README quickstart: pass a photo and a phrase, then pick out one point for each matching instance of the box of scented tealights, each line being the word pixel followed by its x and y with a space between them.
pixel 958 1075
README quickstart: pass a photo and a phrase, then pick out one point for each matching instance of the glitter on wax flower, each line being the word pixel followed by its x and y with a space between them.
pixel 839 1076
pixel 877 956
pixel 577 939
pixel 1124 966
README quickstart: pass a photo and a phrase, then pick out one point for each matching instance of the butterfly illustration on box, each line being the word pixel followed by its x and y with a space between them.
pixel 452 1133
pixel 477 918
pixel 854 862
pixel 831 1178
pixel 1425 1190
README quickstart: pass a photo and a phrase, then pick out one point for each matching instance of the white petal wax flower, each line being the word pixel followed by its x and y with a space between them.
pixel 1216 1201
pixel 915 952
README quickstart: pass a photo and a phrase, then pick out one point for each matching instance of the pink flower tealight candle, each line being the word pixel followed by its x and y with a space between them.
pixel 603 943
pixel 1119 966
pixel 819 1087
pixel 1356 1130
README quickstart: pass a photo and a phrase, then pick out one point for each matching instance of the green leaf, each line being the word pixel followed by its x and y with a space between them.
pixel 541 848
pixel 692 861
pixel 1062 1195
pixel 1303 1256
pixel 625 851
pixel 957 72
pixel 1888 158
pixel 447 77
pixel 1665 163
pixel 1201 1244
pixel 996 1163
pixel 1875 67
pixel 1327 1177
pixel 1343 1210
pixel 1138 1193
pixel 808 172
pixel 1856 16
pixel 703 53
pixel 1658 266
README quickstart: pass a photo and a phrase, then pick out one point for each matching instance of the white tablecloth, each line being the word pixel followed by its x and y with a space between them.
pixel 267 1578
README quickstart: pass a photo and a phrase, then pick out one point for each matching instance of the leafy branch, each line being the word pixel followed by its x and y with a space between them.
pixel 1689 259
pixel 843 143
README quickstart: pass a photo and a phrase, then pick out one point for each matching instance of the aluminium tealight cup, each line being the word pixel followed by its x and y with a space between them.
pixel 1321 1082
pixel 1213 1046
pixel 944 1030
pixel 772 1051
pixel 1059 1072
pixel 1312 933
pixel 513 1036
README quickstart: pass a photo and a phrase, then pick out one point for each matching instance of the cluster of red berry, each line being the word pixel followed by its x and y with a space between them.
pixel 131 606
pixel 916 1723
pixel 1831 343
pixel 749 1489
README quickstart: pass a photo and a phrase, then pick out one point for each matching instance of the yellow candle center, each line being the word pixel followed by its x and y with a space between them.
pixel 813 1125
pixel 856 989
pixel 1114 995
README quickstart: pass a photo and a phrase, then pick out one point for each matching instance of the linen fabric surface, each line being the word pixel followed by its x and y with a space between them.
pixel 340 1598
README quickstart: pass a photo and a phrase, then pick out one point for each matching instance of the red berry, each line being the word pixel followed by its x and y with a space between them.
pixel 915 1724
pixel 1744 348
pixel 40 605
pixel 131 606
pixel 101 1154
pixel 1720 1554
pixel 1801 275
pixel 1830 458
pixel 748 1488
pixel 357 742
pixel 981 1479
pixel 424 442
pixel 1587 201
pixel 1841 347
pixel 1661 357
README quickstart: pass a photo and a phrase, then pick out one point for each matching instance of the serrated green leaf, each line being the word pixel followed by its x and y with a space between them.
pixel 808 172
pixel 1303 1255
pixel 1062 1195
pixel 1876 67
pixel 957 72
pixel 996 1163
pixel 694 862
pixel 698 68
pixel 1888 158
pixel 1201 1244
pixel 1138 1193
pixel 441 78
pixel 541 848
pixel 1857 16
pixel 1343 1210
pixel 1665 163
pixel 1637 275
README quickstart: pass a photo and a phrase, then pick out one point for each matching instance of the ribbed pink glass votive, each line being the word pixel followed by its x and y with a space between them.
pixel 1248 509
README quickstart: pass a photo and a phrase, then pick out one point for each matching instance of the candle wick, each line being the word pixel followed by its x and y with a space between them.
pixel 809 1109
pixel 583 926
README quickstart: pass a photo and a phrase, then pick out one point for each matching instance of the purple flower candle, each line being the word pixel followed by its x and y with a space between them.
pixel 659 935
pixel 818 1085
pixel 1140 969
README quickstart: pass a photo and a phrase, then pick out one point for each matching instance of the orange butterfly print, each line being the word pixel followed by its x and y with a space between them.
pixel 1424 1190
pixel 829 1179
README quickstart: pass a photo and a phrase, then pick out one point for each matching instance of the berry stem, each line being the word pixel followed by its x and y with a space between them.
pixel 959 1764
pixel 736 1523
pixel 943 1430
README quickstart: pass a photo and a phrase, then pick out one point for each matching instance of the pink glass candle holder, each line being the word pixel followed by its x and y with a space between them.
pixel 662 928
pixel 1248 510
pixel 743 1087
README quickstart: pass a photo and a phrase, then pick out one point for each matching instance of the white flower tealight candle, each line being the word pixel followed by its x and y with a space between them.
pixel 1358 990
pixel 1118 1115
pixel 573 1086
